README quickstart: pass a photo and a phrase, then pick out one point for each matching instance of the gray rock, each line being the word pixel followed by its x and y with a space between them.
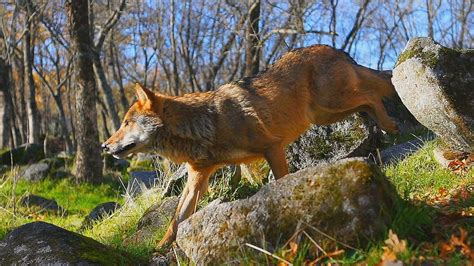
pixel 141 181
pixel 348 200
pixel 41 243
pixel 61 173
pixel 155 218
pixel 352 137
pixel 36 172
pixel 55 162
pixel 99 212
pixel 3 169
pixel 402 150
pixel 44 204
pixel 169 258
pixel 437 85
pixel 115 164
pixel 23 154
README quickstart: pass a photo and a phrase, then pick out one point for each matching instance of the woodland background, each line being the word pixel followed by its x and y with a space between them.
pixel 67 68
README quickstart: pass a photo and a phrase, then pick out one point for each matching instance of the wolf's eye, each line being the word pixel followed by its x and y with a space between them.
pixel 125 123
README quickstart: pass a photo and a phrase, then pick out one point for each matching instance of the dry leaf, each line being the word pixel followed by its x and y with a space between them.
pixel 395 244
pixel 457 243
pixel 328 255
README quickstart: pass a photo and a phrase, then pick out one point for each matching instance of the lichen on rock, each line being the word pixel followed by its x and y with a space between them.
pixel 348 200
pixel 436 84
pixel 354 136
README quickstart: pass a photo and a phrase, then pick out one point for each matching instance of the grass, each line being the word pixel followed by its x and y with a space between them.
pixel 114 230
pixel 429 212
pixel 419 177
pixel 77 199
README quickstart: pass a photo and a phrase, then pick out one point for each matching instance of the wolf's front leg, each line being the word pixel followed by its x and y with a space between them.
pixel 196 186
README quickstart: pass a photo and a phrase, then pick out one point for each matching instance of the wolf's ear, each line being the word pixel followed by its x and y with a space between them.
pixel 143 94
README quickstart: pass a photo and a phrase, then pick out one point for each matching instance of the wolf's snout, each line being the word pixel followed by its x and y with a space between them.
pixel 104 147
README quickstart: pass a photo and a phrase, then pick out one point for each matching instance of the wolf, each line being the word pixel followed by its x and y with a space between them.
pixel 249 119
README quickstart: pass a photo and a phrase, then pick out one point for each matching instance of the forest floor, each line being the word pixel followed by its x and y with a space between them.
pixel 433 220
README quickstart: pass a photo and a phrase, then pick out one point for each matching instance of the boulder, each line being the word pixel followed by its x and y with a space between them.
pixel 155 218
pixel 144 162
pixel 115 164
pixel 354 136
pixel 35 201
pixel 23 154
pixel 400 151
pixel 348 200
pixel 40 243
pixel 436 84
pixel 3 169
pixel 61 173
pixel 169 258
pixel 56 162
pixel 99 212
pixel 140 181
pixel 36 172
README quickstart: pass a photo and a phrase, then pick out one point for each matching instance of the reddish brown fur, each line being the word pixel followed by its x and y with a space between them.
pixel 257 117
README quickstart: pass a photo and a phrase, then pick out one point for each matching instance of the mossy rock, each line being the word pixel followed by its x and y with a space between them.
pixel 436 84
pixel 23 154
pixel 355 136
pixel 41 243
pixel 57 162
pixel 350 200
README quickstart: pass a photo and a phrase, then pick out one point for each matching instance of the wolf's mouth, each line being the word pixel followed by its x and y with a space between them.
pixel 124 149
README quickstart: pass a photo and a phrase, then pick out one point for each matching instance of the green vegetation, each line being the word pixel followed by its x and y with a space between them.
pixel 78 199
pixel 115 230
pixel 434 205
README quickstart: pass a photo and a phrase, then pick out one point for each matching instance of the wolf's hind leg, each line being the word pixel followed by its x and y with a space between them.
pixel 196 186
pixel 276 158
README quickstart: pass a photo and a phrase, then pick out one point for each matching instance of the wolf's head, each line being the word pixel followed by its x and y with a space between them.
pixel 140 124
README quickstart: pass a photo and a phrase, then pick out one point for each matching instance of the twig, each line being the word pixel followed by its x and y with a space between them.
pixel 332 238
pixel 315 243
pixel 269 253
pixel 176 256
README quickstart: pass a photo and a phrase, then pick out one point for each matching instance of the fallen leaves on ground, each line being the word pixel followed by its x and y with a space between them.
pixel 461 164
pixel 392 249
pixel 456 243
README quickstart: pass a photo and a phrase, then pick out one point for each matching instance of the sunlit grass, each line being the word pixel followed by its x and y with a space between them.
pixel 420 176
pixel 417 179
pixel 122 224
pixel 77 199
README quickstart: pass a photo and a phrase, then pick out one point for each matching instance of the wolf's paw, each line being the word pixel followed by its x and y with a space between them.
pixel 391 127
pixel 164 243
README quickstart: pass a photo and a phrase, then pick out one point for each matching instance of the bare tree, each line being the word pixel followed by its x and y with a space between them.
pixel 31 106
pixel 253 47
pixel 88 162
pixel 99 69
pixel 5 103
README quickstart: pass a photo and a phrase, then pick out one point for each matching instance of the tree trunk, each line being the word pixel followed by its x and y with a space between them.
pixel 252 50
pixel 88 161
pixel 19 99
pixel 31 107
pixel 107 90
pixel 62 116
pixel 118 78
pixel 5 104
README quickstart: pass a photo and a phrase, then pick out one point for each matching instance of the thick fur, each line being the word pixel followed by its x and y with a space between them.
pixel 253 118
